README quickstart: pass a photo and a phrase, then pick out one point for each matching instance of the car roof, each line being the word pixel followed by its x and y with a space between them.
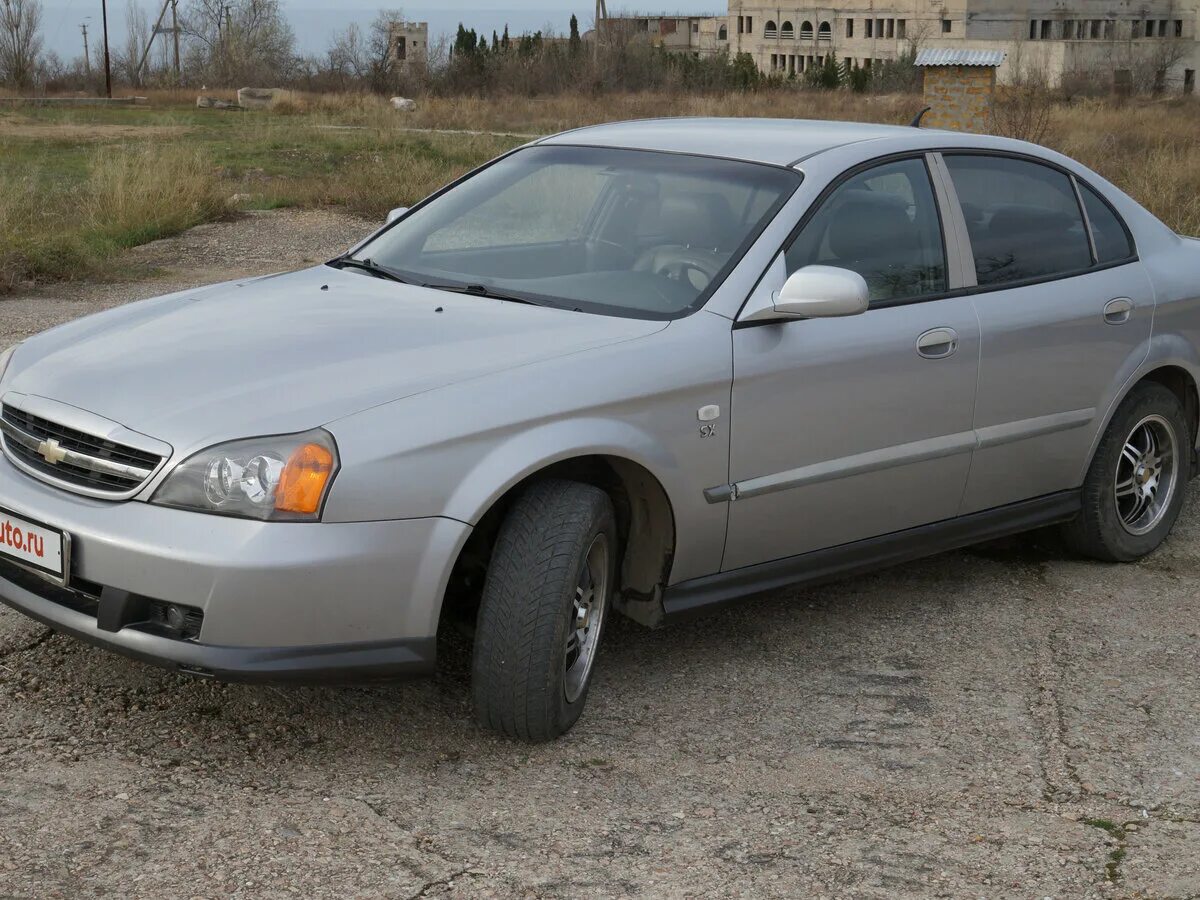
pixel 778 141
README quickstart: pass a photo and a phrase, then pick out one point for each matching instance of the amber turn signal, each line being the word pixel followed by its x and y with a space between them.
pixel 304 478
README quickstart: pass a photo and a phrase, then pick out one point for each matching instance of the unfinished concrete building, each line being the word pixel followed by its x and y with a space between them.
pixel 698 35
pixel 1147 45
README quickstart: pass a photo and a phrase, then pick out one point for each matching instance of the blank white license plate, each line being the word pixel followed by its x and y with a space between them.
pixel 32 544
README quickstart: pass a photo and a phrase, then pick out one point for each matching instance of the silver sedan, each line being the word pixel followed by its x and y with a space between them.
pixel 643 368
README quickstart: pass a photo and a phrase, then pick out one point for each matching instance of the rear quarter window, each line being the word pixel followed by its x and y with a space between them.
pixel 1108 231
pixel 1022 217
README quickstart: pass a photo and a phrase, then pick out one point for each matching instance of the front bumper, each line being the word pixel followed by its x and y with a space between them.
pixel 279 601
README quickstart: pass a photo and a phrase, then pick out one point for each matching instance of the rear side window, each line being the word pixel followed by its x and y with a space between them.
pixel 883 224
pixel 1023 219
pixel 1108 232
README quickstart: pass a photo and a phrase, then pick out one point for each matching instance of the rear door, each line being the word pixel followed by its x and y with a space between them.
pixel 1065 311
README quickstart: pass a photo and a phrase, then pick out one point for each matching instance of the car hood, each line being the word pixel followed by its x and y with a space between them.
pixel 289 352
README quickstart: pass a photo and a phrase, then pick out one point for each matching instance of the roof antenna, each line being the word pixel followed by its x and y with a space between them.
pixel 916 122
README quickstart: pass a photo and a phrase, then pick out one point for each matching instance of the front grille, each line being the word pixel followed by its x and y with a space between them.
pixel 82 460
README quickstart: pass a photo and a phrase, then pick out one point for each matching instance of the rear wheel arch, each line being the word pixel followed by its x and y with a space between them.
pixel 645 524
pixel 1180 382
pixel 1171 375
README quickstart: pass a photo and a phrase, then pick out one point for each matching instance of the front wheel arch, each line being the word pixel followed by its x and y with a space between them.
pixel 646 530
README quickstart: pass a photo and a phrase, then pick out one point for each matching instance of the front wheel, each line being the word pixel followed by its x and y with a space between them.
pixel 1135 486
pixel 548 590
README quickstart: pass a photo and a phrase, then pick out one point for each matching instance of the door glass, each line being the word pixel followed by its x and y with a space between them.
pixel 1022 217
pixel 883 224
pixel 1112 240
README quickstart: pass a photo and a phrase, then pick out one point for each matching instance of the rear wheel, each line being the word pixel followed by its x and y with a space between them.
pixel 548 591
pixel 1135 486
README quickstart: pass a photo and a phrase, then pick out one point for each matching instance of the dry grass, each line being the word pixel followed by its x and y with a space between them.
pixel 132 194
pixel 385 171
pixel 1149 150
pixel 545 115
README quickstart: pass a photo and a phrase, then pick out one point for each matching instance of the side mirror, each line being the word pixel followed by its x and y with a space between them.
pixel 395 214
pixel 818 292
pixel 822 292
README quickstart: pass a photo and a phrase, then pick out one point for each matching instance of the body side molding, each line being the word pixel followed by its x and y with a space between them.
pixel 901 454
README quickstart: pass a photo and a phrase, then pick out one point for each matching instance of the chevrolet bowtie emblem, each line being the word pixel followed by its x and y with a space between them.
pixel 51 452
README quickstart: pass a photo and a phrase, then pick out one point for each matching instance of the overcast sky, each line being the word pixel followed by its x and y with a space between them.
pixel 315 21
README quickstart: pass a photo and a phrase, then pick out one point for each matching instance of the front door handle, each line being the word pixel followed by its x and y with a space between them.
pixel 937 343
pixel 1116 312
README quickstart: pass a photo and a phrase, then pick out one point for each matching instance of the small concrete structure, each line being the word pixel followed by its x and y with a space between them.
pixel 203 102
pixel 255 98
pixel 403 104
pixel 959 87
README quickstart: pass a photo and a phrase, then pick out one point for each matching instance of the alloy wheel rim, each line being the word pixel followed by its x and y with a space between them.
pixel 588 607
pixel 1146 475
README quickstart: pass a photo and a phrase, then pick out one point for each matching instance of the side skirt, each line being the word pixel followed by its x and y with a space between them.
pixel 702 595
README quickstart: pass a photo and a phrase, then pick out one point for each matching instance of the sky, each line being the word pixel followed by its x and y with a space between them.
pixel 315 22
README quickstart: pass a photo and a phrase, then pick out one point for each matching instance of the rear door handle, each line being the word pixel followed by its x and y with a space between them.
pixel 1116 312
pixel 937 343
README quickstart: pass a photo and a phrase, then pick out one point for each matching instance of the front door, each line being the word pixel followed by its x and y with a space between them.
pixel 844 429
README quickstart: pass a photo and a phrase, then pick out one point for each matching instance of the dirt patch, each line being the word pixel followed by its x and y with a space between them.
pixel 90 133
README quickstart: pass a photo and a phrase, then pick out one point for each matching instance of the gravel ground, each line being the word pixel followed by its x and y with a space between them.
pixel 1004 721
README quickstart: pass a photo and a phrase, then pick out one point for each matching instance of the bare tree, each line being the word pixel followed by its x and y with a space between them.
pixel 366 59
pixel 239 42
pixel 381 72
pixel 20 42
pixel 127 54
pixel 349 59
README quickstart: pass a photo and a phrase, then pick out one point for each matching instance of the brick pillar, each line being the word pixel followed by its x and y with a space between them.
pixel 959 97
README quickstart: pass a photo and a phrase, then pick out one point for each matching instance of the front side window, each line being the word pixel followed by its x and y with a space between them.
pixel 1108 233
pixel 883 224
pixel 1022 218
pixel 620 232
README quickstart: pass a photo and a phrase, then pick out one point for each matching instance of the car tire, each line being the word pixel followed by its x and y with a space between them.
pixel 1130 461
pixel 547 594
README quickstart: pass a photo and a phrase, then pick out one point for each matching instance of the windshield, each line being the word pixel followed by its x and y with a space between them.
pixel 622 232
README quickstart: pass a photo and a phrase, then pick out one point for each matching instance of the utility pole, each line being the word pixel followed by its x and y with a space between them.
pixel 227 44
pixel 87 59
pixel 175 32
pixel 601 16
pixel 156 31
pixel 107 65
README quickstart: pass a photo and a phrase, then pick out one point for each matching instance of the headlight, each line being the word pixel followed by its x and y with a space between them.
pixel 283 478
pixel 5 357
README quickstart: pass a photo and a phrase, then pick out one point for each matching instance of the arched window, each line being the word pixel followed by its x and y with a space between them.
pixel 806 32
pixel 770 30
pixel 824 33
pixel 787 32
pixel 723 33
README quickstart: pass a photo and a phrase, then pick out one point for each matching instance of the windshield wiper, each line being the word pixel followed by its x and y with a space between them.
pixel 366 265
pixel 482 290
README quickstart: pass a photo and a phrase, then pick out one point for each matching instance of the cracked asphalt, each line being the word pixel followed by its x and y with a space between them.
pixel 1004 721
